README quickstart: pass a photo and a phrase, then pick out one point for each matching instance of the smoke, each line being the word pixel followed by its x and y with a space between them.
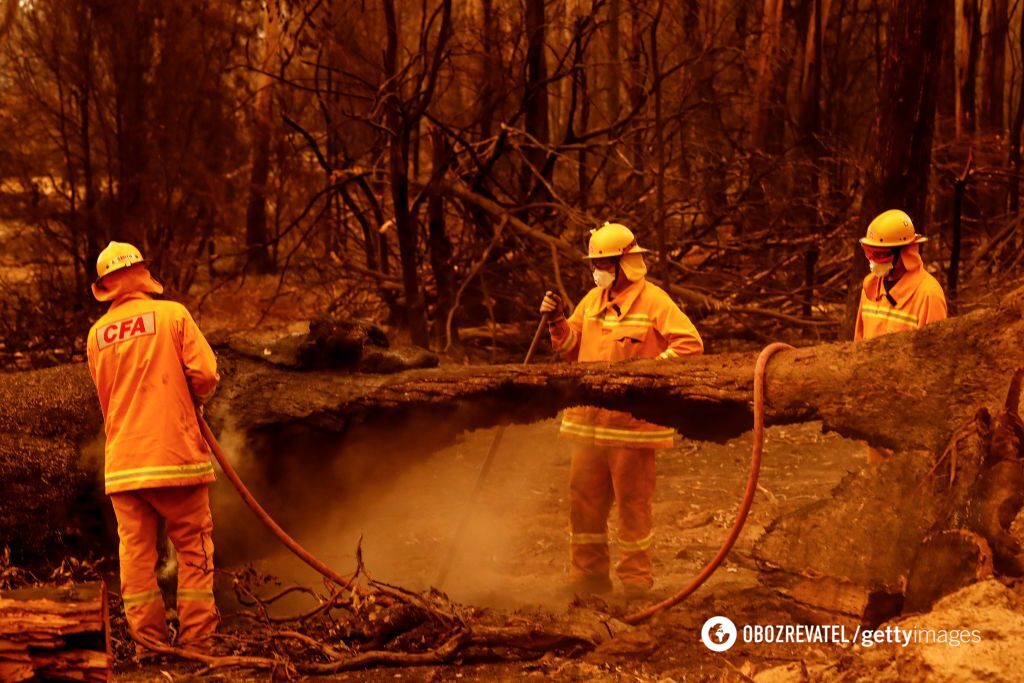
pixel 227 506
pixel 91 457
pixel 239 536
pixel 402 492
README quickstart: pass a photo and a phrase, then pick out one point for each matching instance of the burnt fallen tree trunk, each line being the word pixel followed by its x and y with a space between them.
pixel 55 633
pixel 908 391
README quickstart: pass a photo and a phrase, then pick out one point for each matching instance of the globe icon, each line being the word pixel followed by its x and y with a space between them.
pixel 718 633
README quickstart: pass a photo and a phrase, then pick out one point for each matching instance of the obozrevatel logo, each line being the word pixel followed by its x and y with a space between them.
pixel 718 634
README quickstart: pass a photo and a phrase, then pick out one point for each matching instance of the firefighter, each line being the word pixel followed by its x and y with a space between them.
pixel 152 368
pixel 898 294
pixel 624 317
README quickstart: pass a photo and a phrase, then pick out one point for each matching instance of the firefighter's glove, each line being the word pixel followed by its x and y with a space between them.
pixel 552 305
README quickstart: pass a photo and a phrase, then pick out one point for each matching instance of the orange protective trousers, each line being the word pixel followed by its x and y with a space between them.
pixel 599 476
pixel 189 525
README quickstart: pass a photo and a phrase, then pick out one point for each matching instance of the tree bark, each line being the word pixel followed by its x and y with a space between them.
pixel 917 406
pixel 807 213
pixel 918 526
pixel 490 66
pixel 706 397
pixel 664 271
pixel 262 116
pixel 768 96
pixel 1015 138
pixel 637 79
pixel 398 165
pixel 949 69
pixel 536 97
pixel 440 245
pixel 967 62
pixel 581 90
pixel 613 87
pixel 996 29
pixel 131 30
pixel 85 94
pixel 953 274
pixel 768 120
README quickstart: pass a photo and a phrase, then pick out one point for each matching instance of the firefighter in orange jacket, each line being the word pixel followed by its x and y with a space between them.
pixel 898 294
pixel 623 318
pixel 152 366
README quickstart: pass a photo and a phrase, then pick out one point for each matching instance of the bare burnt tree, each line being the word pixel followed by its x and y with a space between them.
pixel 997 24
pixel 968 50
pixel 256 234
pixel 403 112
pixel 426 162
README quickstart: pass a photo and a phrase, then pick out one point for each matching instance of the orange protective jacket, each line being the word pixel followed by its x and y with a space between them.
pixel 148 359
pixel 641 321
pixel 918 298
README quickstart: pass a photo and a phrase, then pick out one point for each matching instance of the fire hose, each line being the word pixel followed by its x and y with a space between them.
pixel 254 505
pixel 748 495
pixel 636 617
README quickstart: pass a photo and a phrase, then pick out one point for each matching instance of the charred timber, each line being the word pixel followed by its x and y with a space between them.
pixel 908 391
pixel 55 633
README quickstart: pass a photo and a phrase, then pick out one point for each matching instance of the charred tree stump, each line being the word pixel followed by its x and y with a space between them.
pixel 55 633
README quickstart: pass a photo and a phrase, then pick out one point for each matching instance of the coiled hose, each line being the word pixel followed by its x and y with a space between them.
pixel 748 495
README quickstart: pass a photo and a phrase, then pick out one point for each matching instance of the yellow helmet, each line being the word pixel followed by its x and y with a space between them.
pixel 116 256
pixel 891 228
pixel 612 239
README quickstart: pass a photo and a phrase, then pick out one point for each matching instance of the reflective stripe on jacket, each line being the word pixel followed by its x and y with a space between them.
pixel 918 298
pixel 641 321
pixel 148 359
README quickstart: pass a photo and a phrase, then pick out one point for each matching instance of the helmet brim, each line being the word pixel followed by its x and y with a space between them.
pixel 143 262
pixel 891 245
pixel 634 250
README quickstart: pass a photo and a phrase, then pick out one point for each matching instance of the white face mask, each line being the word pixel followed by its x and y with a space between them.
pixel 880 269
pixel 604 278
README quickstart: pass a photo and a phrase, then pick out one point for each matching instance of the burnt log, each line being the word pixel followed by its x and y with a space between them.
pixel 336 344
pixel 904 392
pixel 831 600
pixel 55 633
pixel 908 392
